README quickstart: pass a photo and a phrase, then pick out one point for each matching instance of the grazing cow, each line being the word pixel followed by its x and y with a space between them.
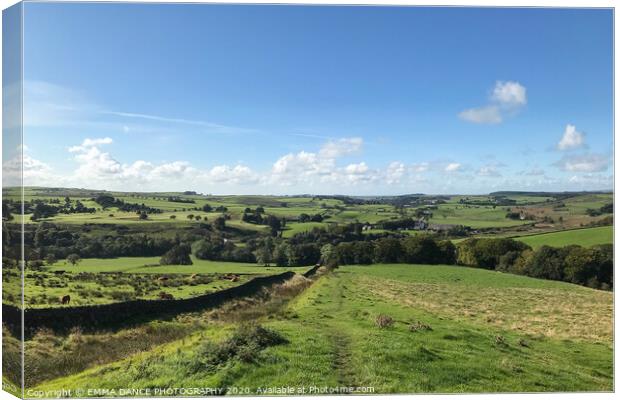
pixel 166 296
pixel 234 278
pixel 66 299
pixel 162 279
pixel 194 276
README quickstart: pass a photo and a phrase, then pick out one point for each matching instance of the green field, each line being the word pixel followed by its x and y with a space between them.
pixel 146 265
pixel 583 237
pixel 103 281
pixel 455 330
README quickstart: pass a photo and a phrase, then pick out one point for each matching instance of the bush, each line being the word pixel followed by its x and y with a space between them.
pixel 384 321
pixel 245 344
pixel 419 326
pixel 178 255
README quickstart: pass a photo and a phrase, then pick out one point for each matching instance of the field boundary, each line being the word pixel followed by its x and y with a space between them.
pixel 103 316
pixel 559 231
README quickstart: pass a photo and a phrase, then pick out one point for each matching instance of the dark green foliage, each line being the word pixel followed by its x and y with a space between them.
pixel 73 259
pixel 220 223
pixel 42 210
pixel 107 201
pixel 485 253
pixel 245 345
pixel 591 267
pixel 388 250
pixel 178 255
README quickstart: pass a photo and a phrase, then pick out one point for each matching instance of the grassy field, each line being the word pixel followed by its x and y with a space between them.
pixel 584 237
pixel 455 330
pixel 103 281
pixel 146 265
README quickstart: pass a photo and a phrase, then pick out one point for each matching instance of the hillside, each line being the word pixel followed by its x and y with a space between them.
pixel 455 329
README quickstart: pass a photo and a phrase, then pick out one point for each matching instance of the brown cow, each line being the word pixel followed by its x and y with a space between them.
pixel 66 299
pixel 162 279
pixel 166 296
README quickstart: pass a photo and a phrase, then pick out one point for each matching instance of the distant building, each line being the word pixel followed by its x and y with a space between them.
pixel 441 227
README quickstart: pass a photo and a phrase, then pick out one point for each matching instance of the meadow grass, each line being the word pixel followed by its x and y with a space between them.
pixel 454 330
pixel 146 265
pixel 585 237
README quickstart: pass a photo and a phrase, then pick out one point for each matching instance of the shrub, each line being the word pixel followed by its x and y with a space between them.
pixel 419 326
pixel 245 344
pixel 384 321
pixel 178 255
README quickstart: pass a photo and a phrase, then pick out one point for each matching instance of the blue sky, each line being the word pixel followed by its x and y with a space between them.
pixel 284 100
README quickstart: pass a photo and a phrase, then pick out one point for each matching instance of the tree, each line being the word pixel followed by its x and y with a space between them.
pixel 173 217
pixel 73 259
pixel 328 255
pixel 263 256
pixel 50 259
pixel 280 254
pixel 274 223
pixel 207 208
pixel 42 210
pixel 177 255
pixel 198 218
pixel 143 215
pixel 220 223
pixel 190 217
pixel 388 250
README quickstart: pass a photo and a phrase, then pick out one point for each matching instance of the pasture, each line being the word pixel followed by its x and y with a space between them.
pixel 103 281
pixel 585 237
pixel 448 330
pixel 395 328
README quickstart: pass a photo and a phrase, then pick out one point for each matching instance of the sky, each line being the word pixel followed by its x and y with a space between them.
pixel 241 99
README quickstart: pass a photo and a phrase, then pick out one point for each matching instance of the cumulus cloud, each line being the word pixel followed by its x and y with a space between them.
pixel 239 174
pixel 507 98
pixel 589 162
pixel 321 167
pixel 33 171
pixel 571 139
pixel 395 172
pixel 452 167
pixel 509 94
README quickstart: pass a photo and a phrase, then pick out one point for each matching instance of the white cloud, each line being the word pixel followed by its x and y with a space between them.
pixel 452 167
pixel 341 147
pixel 395 172
pixel 506 99
pixel 33 171
pixel 421 167
pixel 509 94
pixel 589 162
pixel 572 139
pixel 482 115
pixel 356 169
pixel 239 174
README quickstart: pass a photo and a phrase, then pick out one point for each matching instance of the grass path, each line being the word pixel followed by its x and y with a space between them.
pixel 333 341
